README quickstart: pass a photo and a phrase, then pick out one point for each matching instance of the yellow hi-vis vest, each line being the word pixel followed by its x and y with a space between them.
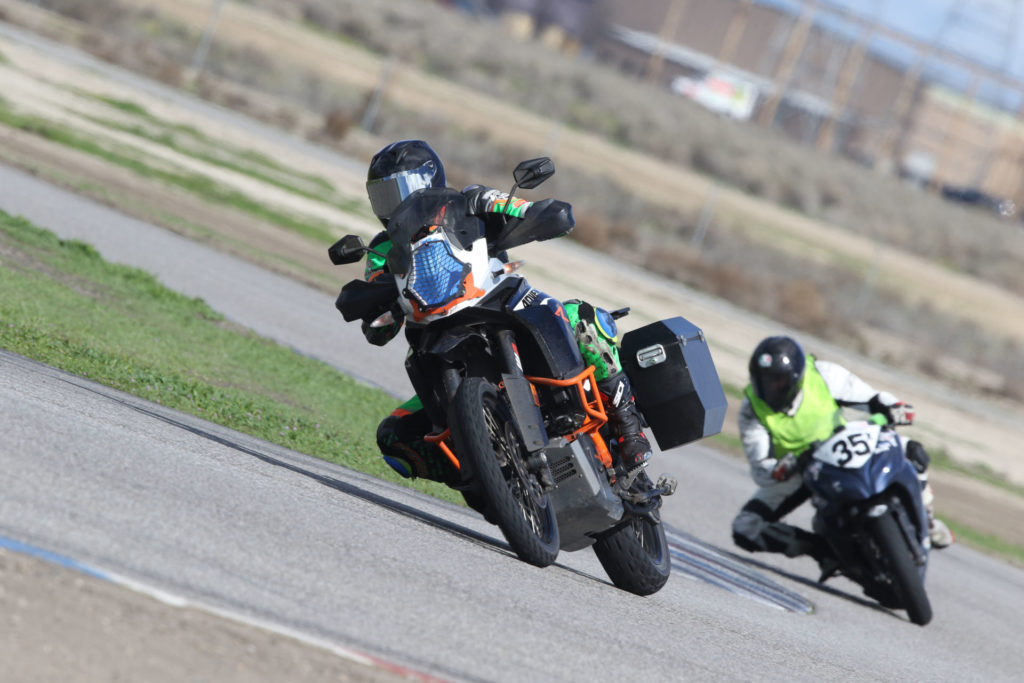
pixel 815 419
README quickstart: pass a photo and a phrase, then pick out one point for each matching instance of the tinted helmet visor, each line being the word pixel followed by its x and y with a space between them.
pixel 387 193
pixel 776 389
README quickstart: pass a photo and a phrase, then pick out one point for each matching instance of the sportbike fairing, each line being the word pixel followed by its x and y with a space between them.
pixel 856 464
pixel 853 446
pixel 439 254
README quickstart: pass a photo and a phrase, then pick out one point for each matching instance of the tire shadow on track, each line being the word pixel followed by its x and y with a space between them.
pixel 705 562
pixel 815 585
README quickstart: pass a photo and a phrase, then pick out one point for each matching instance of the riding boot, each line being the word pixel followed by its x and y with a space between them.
pixel 939 533
pixel 400 440
pixel 624 420
pixel 801 542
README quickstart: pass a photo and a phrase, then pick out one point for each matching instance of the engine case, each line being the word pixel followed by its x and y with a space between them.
pixel 584 502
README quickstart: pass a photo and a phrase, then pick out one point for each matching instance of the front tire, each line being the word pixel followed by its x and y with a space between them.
pixel 484 434
pixel 906 577
pixel 636 555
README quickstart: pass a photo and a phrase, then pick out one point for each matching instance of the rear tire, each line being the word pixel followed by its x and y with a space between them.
pixel 636 555
pixel 908 583
pixel 483 434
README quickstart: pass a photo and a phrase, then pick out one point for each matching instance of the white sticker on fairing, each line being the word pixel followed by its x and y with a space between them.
pixel 852 447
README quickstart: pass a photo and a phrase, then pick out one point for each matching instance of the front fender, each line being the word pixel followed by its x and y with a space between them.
pixel 841 493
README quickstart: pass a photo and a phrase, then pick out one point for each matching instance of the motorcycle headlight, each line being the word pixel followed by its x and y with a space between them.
pixel 436 276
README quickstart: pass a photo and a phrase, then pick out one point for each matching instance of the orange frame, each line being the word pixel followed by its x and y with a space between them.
pixel 593 406
pixel 441 440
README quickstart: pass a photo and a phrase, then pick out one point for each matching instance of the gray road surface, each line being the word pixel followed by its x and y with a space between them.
pixel 245 526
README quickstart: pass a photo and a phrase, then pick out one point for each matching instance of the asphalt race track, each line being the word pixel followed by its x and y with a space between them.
pixel 225 520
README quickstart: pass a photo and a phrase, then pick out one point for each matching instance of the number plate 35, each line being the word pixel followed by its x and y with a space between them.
pixel 850 448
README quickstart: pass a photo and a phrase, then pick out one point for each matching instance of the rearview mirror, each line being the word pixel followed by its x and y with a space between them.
pixel 532 172
pixel 349 249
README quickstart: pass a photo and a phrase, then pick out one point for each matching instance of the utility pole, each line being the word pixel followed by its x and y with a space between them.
pixel 846 81
pixel 737 25
pixel 669 30
pixel 199 57
pixel 790 57
pixel 1001 142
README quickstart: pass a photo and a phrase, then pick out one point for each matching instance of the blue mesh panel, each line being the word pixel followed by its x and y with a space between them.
pixel 436 275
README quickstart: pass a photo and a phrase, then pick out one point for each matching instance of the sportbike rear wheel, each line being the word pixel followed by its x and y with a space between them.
pixel 908 583
pixel 483 432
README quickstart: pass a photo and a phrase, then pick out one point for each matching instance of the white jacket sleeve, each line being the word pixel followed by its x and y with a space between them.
pixel 757 444
pixel 850 390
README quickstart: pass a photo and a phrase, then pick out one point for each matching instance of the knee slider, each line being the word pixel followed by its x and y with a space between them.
pixel 399 465
pixel 746 531
pixel 917 456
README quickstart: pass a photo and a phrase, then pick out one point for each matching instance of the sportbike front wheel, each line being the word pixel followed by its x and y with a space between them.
pixel 908 583
pixel 483 433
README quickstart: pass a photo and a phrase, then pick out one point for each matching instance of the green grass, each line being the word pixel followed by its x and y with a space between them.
pixel 197 184
pixel 988 543
pixel 65 306
pixel 189 141
pixel 733 390
pixel 244 161
pixel 980 471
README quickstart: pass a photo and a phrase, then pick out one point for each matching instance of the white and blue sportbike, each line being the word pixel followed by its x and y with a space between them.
pixel 868 503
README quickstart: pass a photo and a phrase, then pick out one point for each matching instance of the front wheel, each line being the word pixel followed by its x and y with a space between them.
pixel 636 555
pixel 906 577
pixel 483 433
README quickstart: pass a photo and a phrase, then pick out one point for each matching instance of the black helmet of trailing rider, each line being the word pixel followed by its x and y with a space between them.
pixel 777 371
pixel 397 171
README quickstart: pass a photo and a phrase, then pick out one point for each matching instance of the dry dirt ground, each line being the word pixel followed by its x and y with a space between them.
pixel 62 625
pixel 75 627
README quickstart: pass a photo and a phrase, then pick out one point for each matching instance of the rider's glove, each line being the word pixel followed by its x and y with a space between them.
pixel 785 468
pixel 896 412
pixel 381 334
pixel 901 413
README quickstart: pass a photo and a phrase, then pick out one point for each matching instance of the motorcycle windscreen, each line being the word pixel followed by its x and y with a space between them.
pixel 424 212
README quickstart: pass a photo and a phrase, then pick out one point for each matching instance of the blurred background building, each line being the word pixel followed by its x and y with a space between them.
pixel 938 101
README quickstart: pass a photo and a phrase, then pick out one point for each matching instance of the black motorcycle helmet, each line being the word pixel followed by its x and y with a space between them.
pixel 777 371
pixel 397 171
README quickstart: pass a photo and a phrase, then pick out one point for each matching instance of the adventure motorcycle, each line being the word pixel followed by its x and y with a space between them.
pixel 867 498
pixel 515 409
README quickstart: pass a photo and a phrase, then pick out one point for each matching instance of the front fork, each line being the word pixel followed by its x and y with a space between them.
pixel 527 416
